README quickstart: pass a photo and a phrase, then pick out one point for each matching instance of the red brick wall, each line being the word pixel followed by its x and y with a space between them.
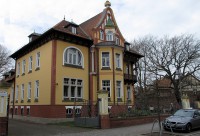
pixel 133 121
pixel 3 126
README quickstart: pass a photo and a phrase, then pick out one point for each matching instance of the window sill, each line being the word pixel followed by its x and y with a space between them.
pixel 36 100
pixel 29 100
pixel 72 100
pixel 105 68
pixel 30 71
pixel 17 75
pixel 118 69
pixel 23 74
pixel 73 66
pixel 37 68
pixel 16 101
pixel 22 101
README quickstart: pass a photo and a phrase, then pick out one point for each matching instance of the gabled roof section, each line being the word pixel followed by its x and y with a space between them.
pixel 92 23
pixel 97 20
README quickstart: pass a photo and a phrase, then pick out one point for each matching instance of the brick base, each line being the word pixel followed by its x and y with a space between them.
pixel 3 126
pixel 44 111
pixel 104 121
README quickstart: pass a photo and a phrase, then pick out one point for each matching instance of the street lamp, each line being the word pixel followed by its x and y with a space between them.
pixel 178 73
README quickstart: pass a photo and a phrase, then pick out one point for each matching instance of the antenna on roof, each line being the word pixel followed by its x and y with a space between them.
pixel 64 17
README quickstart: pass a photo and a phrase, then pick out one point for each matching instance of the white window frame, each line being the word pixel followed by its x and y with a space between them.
pixel 69 111
pixel 73 30
pixel 75 84
pixel 106 59
pixel 37 89
pixel 117 40
pixel 18 68
pixel 118 60
pixel 119 89
pixel 16 92
pixel 101 33
pixel 22 92
pixel 128 92
pixel 37 63
pixel 23 66
pixel 109 36
pixel 30 64
pixel 104 87
pixel 66 57
pixel 29 91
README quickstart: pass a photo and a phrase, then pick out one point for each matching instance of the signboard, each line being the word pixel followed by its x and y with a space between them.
pixel 3 104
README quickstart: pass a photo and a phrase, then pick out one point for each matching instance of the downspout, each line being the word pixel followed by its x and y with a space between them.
pixel 113 60
pixel 14 88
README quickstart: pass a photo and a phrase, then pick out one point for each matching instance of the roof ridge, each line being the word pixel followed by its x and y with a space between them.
pixel 84 32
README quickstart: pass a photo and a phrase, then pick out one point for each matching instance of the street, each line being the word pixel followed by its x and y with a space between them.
pixel 22 128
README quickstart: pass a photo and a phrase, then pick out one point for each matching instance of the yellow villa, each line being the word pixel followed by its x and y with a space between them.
pixel 58 73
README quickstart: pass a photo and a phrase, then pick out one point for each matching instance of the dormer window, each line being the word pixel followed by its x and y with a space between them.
pixel 73 30
pixel 109 36
pixel 101 35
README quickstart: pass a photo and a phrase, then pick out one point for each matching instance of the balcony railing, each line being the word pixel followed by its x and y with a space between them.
pixel 129 78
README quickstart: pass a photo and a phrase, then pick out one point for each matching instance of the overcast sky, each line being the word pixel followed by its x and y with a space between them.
pixel 135 18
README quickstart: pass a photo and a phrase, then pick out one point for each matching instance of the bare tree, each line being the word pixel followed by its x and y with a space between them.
pixel 5 61
pixel 170 54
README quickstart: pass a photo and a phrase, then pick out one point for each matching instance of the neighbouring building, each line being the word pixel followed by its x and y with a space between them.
pixel 7 83
pixel 190 90
pixel 59 72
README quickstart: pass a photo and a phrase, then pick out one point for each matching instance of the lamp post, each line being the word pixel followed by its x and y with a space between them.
pixel 178 73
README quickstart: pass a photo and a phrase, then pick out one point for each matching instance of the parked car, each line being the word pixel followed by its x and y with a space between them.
pixel 183 119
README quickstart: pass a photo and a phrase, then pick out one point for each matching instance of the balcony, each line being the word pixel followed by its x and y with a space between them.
pixel 130 79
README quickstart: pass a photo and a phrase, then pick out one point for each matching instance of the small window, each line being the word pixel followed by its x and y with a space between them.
pixel 28 111
pixel 78 111
pixel 73 30
pixel 30 64
pixel 36 88
pixel 119 93
pixel 22 111
pixel 101 35
pixel 69 111
pixel 118 61
pixel 117 41
pixel 29 91
pixel 23 66
pixel 106 86
pixel 38 60
pixel 22 92
pixel 109 36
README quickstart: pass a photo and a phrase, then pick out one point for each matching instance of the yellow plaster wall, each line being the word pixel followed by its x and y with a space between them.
pixel 44 80
pixel 64 71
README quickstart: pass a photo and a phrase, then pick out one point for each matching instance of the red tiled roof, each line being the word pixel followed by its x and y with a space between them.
pixel 93 23
pixel 63 26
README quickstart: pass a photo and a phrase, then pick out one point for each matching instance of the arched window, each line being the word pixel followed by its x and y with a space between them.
pixel 73 56
pixel 109 36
